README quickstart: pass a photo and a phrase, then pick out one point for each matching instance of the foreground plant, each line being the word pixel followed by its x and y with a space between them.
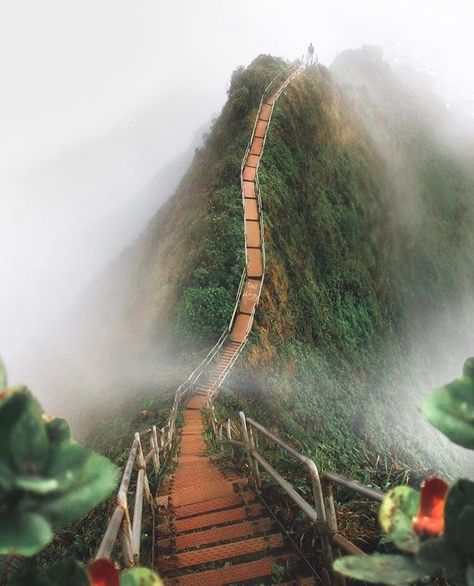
pixel 47 479
pixel 101 572
pixel 434 529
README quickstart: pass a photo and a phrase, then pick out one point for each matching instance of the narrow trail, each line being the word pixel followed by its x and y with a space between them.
pixel 215 529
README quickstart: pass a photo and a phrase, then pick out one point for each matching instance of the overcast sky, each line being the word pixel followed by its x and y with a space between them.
pixel 97 94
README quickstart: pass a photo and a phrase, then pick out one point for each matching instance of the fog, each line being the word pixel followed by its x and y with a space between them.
pixel 100 100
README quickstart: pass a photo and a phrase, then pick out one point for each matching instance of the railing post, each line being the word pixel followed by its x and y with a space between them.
pixel 229 436
pixel 255 463
pixel 142 466
pixel 126 532
pixel 322 526
pixel 332 525
pixel 245 435
pixel 156 455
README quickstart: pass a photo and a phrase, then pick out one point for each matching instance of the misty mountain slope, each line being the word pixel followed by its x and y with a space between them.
pixel 169 295
pixel 368 299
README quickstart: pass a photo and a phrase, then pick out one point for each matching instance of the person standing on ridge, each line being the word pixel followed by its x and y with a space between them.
pixel 310 57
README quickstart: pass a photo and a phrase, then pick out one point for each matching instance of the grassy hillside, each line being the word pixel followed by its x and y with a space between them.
pixel 368 300
pixel 368 297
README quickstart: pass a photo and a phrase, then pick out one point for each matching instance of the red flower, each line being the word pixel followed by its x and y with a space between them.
pixel 103 573
pixel 430 517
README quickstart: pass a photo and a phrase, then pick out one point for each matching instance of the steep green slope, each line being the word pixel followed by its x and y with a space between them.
pixel 368 300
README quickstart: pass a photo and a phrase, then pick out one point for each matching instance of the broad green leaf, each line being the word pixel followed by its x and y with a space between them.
pixel 23 533
pixel 380 569
pixel 29 441
pixel 396 514
pixel 36 484
pixel 68 572
pixel 437 553
pixel 11 410
pixel 470 575
pixel 460 496
pixel 58 430
pixel 7 476
pixel 451 408
pixel 66 463
pixel 30 577
pixel 98 478
pixel 140 577
pixel 466 531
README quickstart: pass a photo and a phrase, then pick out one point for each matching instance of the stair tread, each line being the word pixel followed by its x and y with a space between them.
pixel 225 533
pixel 223 552
pixel 231 574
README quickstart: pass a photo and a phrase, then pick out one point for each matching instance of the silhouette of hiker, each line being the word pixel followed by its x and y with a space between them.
pixel 310 56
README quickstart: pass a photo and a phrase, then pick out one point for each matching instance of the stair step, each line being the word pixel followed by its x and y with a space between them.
pixel 218 518
pixel 226 533
pixel 308 581
pixel 214 505
pixel 231 574
pixel 223 552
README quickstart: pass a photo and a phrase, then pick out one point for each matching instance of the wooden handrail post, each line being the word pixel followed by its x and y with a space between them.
pixel 126 532
pixel 245 436
pixel 331 518
pixel 255 463
pixel 156 455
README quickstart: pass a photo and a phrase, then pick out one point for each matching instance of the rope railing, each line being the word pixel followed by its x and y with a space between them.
pixel 244 433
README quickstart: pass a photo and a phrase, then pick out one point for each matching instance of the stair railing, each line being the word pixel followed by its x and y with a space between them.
pixel 244 433
pixel 162 442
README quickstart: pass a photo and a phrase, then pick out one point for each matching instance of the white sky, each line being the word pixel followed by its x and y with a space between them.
pixel 96 95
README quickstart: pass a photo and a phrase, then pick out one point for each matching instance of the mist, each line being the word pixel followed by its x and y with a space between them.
pixel 102 105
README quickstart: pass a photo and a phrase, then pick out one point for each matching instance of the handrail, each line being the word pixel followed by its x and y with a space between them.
pixel 296 66
pixel 321 512
pixel 161 445
pixel 163 441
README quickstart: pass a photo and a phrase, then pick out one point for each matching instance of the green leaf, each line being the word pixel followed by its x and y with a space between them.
pixel 451 408
pixel 66 463
pixel 140 577
pixel 396 514
pixel 24 533
pixel 58 430
pixel 97 480
pixel 31 577
pixel 470 575
pixel 437 553
pixel 29 441
pixel 380 569
pixel 69 572
pixel 460 496
pixel 11 410
pixel 36 484
pixel 466 530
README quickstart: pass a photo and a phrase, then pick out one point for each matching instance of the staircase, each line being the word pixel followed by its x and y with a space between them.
pixel 214 528
pixel 215 531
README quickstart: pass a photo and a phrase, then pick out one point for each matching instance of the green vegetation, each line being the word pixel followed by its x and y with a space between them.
pixel 434 529
pixel 368 294
pixel 47 481
pixel 367 256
